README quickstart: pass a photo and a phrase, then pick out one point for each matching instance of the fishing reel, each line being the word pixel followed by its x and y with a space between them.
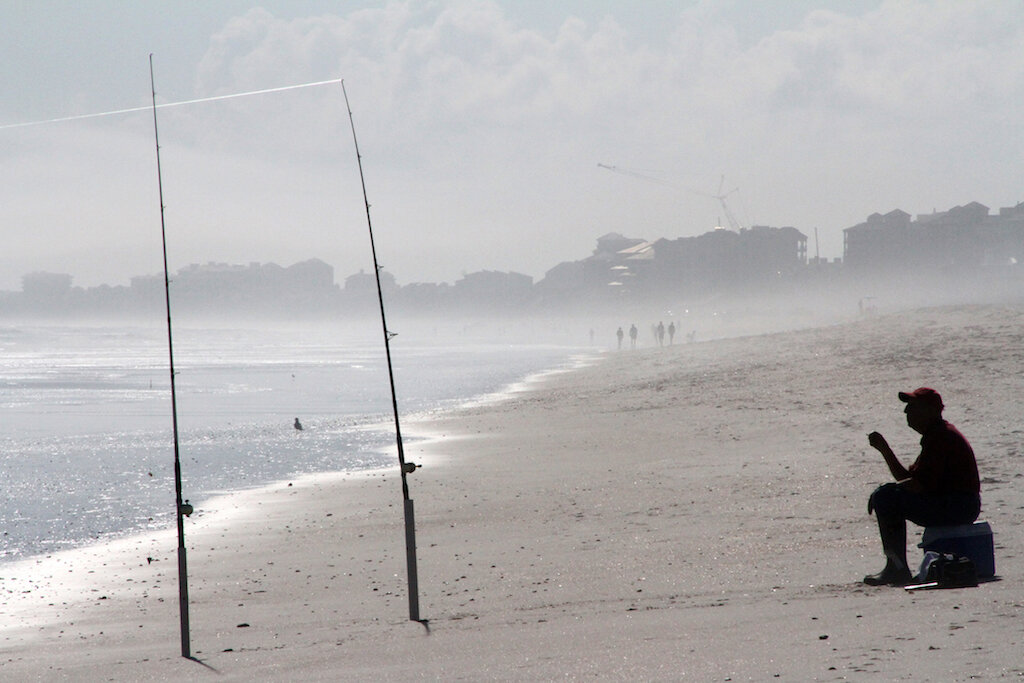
pixel 186 509
pixel 409 467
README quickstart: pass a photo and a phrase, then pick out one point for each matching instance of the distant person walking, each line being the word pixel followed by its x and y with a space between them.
pixel 661 333
pixel 619 333
pixel 632 336
pixel 941 488
pixel 671 332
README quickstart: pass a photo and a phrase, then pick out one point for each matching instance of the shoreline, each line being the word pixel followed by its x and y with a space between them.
pixel 38 573
pixel 379 427
pixel 691 513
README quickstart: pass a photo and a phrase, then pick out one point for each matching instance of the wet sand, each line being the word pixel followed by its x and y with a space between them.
pixel 694 512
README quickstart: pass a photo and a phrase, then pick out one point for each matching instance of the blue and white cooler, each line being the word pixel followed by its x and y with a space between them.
pixel 966 540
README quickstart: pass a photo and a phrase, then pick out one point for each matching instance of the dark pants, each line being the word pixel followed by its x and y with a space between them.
pixel 894 501
pixel 893 505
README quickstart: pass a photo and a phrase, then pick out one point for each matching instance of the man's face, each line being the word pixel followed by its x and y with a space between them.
pixel 919 415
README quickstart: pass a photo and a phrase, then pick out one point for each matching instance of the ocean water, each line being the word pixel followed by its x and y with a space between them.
pixel 86 438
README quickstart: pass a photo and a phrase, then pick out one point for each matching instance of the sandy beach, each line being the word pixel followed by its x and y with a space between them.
pixel 694 512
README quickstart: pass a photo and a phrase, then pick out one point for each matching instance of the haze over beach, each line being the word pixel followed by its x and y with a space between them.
pixel 482 125
pixel 685 509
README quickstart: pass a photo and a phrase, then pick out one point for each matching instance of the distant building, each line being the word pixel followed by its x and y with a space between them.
pixel 360 290
pixel 421 297
pixel 610 272
pixel 962 238
pixel 46 286
pixel 488 289
pixel 301 289
pixel 312 274
pixel 48 292
pixel 724 260
pixel 562 280
pixel 631 268
pixel 613 243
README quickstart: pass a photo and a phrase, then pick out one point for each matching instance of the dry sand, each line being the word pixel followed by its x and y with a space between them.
pixel 694 512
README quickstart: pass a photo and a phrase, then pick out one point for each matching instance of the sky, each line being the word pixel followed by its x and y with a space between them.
pixel 481 127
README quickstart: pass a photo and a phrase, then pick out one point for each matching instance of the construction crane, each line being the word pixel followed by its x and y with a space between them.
pixel 720 196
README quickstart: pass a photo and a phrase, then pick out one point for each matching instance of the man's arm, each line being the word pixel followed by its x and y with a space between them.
pixel 899 472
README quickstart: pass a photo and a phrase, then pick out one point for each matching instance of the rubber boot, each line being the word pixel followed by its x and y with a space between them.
pixel 894 544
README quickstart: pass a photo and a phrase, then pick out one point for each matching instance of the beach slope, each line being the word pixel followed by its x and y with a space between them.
pixel 694 512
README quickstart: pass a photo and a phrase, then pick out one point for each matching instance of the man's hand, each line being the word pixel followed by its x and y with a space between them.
pixel 878 442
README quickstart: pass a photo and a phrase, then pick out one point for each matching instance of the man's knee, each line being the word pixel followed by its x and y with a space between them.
pixel 885 499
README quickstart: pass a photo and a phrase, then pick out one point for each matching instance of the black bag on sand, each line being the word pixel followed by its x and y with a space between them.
pixel 950 571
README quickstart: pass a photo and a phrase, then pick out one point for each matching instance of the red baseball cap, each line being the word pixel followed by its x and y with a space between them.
pixel 924 394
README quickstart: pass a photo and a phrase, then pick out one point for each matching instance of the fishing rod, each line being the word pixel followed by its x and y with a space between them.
pixel 130 110
pixel 183 508
pixel 405 467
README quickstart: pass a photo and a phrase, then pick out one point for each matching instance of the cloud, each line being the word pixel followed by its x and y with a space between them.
pixel 481 132
pixel 821 123
pixel 439 69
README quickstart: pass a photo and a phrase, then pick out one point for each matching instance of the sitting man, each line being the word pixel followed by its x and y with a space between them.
pixel 941 488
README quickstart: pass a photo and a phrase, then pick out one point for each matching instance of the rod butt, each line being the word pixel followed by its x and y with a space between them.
pixel 410 557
